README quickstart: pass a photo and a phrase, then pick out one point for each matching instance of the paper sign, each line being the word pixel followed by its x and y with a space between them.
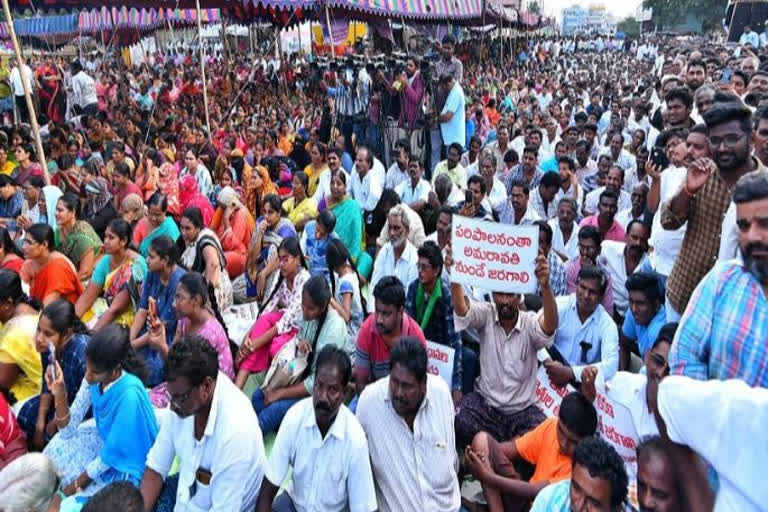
pixel 440 361
pixel 614 422
pixel 494 257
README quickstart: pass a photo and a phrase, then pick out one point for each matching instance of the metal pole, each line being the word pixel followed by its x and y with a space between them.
pixel 27 92
pixel 330 32
pixel 405 37
pixel 202 66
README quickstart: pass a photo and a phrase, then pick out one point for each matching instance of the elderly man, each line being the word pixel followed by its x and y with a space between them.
pixel 397 257
pixel 565 240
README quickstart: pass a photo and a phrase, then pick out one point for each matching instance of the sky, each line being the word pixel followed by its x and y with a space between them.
pixel 619 8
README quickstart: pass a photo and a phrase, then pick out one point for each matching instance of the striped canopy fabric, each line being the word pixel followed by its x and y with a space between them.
pixel 141 19
pixel 414 9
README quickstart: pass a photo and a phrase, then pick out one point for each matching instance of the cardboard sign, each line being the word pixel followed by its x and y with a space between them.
pixel 440 361
pixel 614 422
pixel 494 257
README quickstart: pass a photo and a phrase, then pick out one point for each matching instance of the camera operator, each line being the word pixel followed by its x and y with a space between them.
pixel 409 85
pixel 352 94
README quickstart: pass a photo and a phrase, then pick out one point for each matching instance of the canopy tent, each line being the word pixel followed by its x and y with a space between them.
pixel 438 10
pixel 141 19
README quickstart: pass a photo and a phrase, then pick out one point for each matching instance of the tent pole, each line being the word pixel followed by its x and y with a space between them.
pixel 202 66
pixel 27 91
pixel 330 32
pixel 405 37
pixel 482 40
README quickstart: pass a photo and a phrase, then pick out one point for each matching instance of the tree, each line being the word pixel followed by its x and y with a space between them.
pixel 668 13
pixel 534 7
pixel 629 26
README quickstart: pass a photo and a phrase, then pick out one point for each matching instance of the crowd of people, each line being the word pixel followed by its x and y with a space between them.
pixel 323 195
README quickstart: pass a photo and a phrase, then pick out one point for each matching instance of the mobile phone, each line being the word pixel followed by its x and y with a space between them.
pixel 152 307
pixel 467 197
pixel 52 360
pixel 659 158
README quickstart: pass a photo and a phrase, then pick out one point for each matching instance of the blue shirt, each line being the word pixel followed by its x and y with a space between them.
pixel 455 129
pixel 550 165
pixel 554 498
pixel 316 250
pixel 164 295
pixel 644 335
pixel 723 332
pixel 346 162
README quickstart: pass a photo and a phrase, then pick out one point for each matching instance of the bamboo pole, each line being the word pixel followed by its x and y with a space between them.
pixel 27 92
pixel 330 32
pixel 202 66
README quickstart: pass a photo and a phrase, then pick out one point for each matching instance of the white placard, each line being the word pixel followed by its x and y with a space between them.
pixel 494 257
pixel 440 361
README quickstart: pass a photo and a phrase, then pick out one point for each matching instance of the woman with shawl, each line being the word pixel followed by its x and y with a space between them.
pixel 51 92
pixel 349 223
pixel 255 179
pixel 75 238
pixel 132 210
pixel 156 224
pixel 233 225
pixel 190 196
pixel 99 208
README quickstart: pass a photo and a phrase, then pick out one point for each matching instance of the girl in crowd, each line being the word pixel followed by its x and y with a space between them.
pixel 26 163
pixel 314 242
pixel 233 225
pixel 300 208
pixel 90 458
pixel 203 253
pixel 60 329
pixel 198 314
pixel 347 298
pixel 320 326
pixel 20 367
pixel 194 167
pixel 11 202
pixel 10 255
pixel 160 284
pixel 262 264
pixel 349 223
pixel 258 184
pixel 50 274
pixel 117 277
pixel 76 239
pixel 317 153
pixel 279 318
pixel 190 197
pixel 157 223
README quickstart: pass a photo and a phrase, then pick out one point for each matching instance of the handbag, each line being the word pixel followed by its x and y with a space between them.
pixel 287 366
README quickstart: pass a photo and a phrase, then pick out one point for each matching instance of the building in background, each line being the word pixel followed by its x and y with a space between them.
pixel 593 20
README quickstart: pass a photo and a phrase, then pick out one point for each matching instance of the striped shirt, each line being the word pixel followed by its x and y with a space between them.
pixel 412 470
pixel 723 332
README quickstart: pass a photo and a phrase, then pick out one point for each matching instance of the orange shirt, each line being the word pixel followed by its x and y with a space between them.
pixel 540 447
pixel 58 275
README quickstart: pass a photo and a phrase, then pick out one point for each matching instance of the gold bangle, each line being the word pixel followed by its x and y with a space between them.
pixel 58 419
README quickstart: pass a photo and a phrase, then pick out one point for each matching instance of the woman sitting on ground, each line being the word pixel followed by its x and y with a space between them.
pixel 76 239
pixel 50 274
pixel 233 225
pixel 157 223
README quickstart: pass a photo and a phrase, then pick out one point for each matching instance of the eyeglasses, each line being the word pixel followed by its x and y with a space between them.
pixel 730 140
pixel 180 399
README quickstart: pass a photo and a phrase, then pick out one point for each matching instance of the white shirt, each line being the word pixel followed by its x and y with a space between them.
pixel 395 176
pixel 84 90
pixel 724 422
pixel 628 389
pixel 331 474
pixel 729 235
pixel 579 198
pixel 593 199
pixel 569 248
pixel 536 203
pixel 367 191
pixel 18 87
pixel 409 195
pixel 611 259
pixel 624 217
pixel 405 268
pixel 599 330
pixel 413 471
pixel 666 244
pixel 231 449
pixel 498 194
pixel 324 185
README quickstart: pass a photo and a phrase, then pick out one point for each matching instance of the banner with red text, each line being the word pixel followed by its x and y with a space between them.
pixel 440 361
pixel 494 257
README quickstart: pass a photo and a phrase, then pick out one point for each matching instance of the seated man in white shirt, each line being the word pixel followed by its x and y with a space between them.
pixel 517 211
pixel 390 199
pixel 398 171
pixel 325 446
pixel 622 259
pixel 569 181
pixel 212 429
pixel 614 180
pixel 408 419
pixel 565 230
pixel 586 333
pixel 496 192
pixel 367 183
pixel 398 257
pixel 542 197
pixel 414 191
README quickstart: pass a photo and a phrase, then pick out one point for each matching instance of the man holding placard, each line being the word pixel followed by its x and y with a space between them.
pixel 503 401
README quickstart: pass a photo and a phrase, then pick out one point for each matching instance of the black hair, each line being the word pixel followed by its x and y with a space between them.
pixel 35 181
pixel 43 233
pixel 389 290
pixel 638 221
pixel 165 248
pixel 123 496
pixel 753 186
pixel 368 154
pixel 111 347
pixel 71 202
pixel 410 354
pixel 666 333
pixel 651 445
pixel 580 116
pixel 274 201
pixel 511 157
pixel 567 161
pixel 123 170
pixel 62 315
pixel 680 93
pixel 316 288
pixel 578 414
pixel 601 461
pixel 476 178
pixel 431 252
pixel 197 286
pixel 303 179
pixel 726 111
pixel 331 355
pixel 550 179
pixel 292 247
pixel 158 199
pixel 594 273
pixel 699 128
pixel 6 180
pixel 191 357
pixel 327 219
pixel 519 184
pixel 645 282
pixel 456 146
pixel 532 150
pixel 609 194
pixel 9 246
pixel 336 255
pixel 590 127
pixel 10 289
pixel 121 229
pixel 545 228
pixel 194 215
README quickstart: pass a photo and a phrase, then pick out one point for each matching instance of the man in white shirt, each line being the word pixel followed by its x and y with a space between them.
pixel 398 171
pixel 565 230
pixel 415 190
pixel 323 189
pixel 398 257
pixel 212 429
pixel 408 418
pixel 389 199
pixel 586 333
pixel 325 446
pixel 500 146
pixel 84 91
pixel 542 197
pixel 620 156
pixel 18 90
pixel 585 167
pixel 621 259
pixel 367 183
pixel 569 182
pixel 495 189
pixel 614 180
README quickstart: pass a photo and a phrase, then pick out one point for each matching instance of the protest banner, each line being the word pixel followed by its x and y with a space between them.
pixel 614 422
pixel 440 361
pixel 494 257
